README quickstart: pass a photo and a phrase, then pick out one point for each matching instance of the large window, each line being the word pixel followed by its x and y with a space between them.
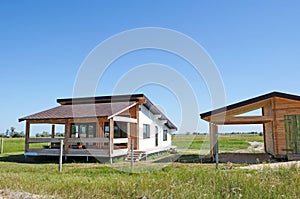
pixel 120 129
pixel 146 131
pixel 165 135
pixel 84 130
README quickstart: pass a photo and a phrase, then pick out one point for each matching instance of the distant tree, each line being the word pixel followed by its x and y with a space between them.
pixel 7 133
pixel 188 133
pixel 43 134
pixel 12 129
pixel 58 134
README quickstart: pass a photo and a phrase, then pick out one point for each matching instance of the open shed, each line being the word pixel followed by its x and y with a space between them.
pixel 280 120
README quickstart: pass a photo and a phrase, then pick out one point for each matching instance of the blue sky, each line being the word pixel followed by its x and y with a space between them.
pixel 255 45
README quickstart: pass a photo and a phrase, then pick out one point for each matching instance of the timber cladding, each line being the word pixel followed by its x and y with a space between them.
pixel 275 108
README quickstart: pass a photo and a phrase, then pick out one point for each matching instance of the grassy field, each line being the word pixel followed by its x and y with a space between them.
pixel 227 142
pixel 14 145
pixel 175 180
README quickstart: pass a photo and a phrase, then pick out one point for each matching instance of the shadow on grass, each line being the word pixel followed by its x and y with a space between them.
pixel 185 158
pixel 20 158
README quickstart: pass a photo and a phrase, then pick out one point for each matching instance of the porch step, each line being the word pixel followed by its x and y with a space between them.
pixel 137 155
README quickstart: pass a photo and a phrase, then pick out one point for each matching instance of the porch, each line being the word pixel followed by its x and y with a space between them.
pixel 96 147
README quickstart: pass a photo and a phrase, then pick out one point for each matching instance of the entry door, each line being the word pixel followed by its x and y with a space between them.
pixel 156 136
pixel 292 133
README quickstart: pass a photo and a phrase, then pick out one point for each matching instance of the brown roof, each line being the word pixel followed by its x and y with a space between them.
pixel 81 111
pixel 251 101
pixel 105 106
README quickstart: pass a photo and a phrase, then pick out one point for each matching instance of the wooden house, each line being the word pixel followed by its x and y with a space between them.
pixel 279 119
pixel 104 126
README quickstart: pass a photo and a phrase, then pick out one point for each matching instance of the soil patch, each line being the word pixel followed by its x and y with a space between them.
pixel 245 158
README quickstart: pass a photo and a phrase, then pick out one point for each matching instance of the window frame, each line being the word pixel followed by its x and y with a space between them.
pixel 165 135
pixel 117 130
pixel 146 131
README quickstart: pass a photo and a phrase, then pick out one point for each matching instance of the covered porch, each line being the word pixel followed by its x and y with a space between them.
pixel 98 133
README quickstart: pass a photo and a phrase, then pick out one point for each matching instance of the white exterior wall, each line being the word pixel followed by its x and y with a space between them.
pixel 146 117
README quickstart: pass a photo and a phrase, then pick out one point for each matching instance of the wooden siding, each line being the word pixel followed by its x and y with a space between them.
pixel 282 108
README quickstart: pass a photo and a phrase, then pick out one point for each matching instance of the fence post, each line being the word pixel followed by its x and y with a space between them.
pixel 217 151
pixel 131 155
pixel 2 144
pixel 60 155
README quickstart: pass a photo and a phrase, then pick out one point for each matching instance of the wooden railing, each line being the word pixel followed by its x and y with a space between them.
pixel 77 146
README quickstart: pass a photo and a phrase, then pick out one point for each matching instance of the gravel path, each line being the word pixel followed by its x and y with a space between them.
pixel 8 194
pixel 273 165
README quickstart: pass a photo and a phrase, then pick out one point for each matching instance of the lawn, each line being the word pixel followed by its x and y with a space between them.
pixel 13 145
pixel 227 142
pixel 173 181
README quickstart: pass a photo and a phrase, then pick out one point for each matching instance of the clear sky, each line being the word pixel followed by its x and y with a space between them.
pixel 255 45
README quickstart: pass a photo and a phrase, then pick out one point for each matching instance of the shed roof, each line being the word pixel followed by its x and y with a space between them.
pixel 250 101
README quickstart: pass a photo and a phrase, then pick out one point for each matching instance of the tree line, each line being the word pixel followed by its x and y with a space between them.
pixel 12 133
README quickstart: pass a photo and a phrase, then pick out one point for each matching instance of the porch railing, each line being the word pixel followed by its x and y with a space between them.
pixel 77 146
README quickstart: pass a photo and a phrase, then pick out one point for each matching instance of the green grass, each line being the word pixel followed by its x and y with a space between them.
pixel 226 142
pixel 13 145
pixel 174 181
pixel 177 180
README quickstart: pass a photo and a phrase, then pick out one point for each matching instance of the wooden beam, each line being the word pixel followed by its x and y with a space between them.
pixel 239 110
pixel 124 119
pixel 242 120
pixel 121 111
pixel 213 130
pixel 27 135
pixel 53 131
pixel 67 135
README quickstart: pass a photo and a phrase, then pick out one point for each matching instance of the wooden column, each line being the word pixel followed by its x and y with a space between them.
pixel 98 132
pixel 128 135
pixel 53 131
pixel 67 135
pixel 213 131
pixel 111 136
pixel 27 134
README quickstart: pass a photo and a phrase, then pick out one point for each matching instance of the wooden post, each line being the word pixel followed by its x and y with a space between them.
pixel 67 135
pixel 98 134
pixel 128 136
pixel 60 155
pixel 2 144
pixel 53 131
pixel 27 133
pixel 212 140
pixel 131 155
pixel 111 137
pixel 217 149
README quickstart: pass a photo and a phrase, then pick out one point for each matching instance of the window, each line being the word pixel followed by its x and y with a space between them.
pixel 120 129
pixel 156 136
pixel 165 135
pixel 84 130
pixel 146 131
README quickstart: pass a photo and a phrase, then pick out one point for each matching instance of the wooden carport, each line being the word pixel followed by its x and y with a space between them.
pixel 275 106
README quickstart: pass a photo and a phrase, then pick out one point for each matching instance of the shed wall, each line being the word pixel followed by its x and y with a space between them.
pixel 281 108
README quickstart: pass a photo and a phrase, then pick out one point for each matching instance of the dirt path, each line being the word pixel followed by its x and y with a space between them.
pixel 255 147
pixel 273 165
pixel 8 194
